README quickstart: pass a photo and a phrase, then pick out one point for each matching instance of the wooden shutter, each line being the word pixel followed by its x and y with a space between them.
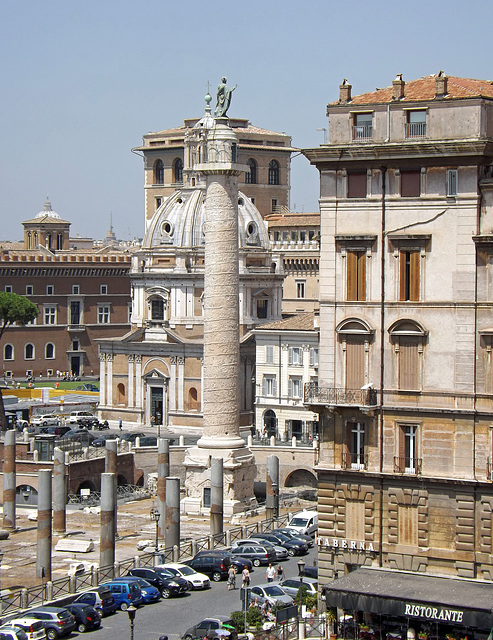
pixel 403 275
pixel 352 275
pixel 401 443
pixel 407 521
pixel 414 275
pixel 290 388
pixel 408 363
pixel 361 275
pixel 355 519
pixel 410 184
pixel 355 363
pixel 356 185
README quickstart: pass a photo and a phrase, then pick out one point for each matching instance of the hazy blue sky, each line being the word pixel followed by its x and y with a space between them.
pixel 81 82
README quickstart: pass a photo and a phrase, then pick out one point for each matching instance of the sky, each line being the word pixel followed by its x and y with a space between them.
pixel 81 82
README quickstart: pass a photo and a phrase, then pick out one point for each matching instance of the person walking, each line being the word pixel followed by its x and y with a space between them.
pixel 280 573
pixel 270 574
pixel 231 577
pixel 245 575
pixel 120 424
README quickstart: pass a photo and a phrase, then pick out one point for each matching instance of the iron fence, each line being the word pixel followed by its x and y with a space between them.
pixel 60 587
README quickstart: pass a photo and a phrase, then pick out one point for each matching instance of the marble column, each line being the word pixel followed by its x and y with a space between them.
pixel 43 555
pixel 59 492
pixel 9 479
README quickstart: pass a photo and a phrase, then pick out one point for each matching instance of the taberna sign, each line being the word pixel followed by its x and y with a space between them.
pixel 342 543
pixel 438 614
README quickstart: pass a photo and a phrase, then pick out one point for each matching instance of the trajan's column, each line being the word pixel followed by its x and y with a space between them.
pixel 210 152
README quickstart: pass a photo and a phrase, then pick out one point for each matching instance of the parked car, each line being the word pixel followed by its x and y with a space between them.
pixel 256 553
pixel 213 565
pixel 304 522
pixel 76 416
pixel 55 431
pixel 291 586
pixel 201 629
pixel 100 598
pixel 32 627
pixel 149 592
pixel 45 420
pixel 167 582
pixel 294 547
pixel 238 561
pixel 86 617
pixel 12 633
pixel 57 622
pixel 291 533
pixel 311 572
pixel 130 437
pixel 195 580
pixel 100 441
pixel 83 436
pixel 271 592
pixel 281 552
pixel 88 386
pixel 125 593
pixel 147 441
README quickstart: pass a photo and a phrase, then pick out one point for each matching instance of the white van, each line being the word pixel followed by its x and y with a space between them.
pixel 304 522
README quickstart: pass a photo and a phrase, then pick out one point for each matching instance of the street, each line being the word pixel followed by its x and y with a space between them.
pixel 173 617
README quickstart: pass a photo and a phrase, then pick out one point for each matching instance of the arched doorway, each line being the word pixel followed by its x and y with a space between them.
pixel 25 495
pixel 270 422
pixel 301 478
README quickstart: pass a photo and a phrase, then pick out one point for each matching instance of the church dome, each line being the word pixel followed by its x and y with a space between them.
pixel 47 211
pixel 179 222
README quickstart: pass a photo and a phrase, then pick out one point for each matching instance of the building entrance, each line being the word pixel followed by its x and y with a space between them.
pixel 75 365
pixel 157 404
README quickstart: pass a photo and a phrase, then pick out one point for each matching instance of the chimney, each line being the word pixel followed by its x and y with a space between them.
pixel 345 92
pixel 398 87
pixel 441 85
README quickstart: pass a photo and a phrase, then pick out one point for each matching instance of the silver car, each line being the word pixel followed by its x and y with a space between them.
pixel 272 593
pixel 291 586
pixel 281 552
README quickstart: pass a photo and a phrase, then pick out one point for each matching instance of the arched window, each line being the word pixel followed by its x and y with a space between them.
pixel 193 403
pixel 8 352
pixel 121 393
pixel 251 175
pixel 29 351
pixel 355 337
pixel 29 240
pixel 48 240
pixel 178 170
pixel 49 351
pixel 159 172
pixel 408 338
pixel 59 241
pixel 273 172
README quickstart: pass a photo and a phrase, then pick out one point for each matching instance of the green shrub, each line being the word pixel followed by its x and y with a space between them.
pixel 238 617
pixel 254 617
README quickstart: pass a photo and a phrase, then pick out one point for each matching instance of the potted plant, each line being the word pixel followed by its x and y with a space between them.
pixel 331 620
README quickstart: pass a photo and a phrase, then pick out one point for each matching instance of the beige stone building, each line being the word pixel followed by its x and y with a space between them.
pixel 405 376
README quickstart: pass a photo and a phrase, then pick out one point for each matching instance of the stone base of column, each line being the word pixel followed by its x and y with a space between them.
pixel 239 470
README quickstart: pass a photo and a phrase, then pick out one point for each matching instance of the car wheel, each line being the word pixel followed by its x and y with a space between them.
pixel 165 592
pixel 51 634
pixel 123 606
pixel 188 637
pixel 81 627
pixel 291 552
pixel 216 576
pixel 45 424
pixel 256 562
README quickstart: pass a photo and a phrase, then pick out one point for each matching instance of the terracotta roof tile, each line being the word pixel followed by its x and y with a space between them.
pixel 299 322
pixel 294 220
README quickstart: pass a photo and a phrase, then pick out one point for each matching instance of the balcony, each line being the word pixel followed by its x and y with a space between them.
pixel 416 130
pixel 76 327
pixel 354 461
pixel 362 132
pixel 408 466
pixel 315 394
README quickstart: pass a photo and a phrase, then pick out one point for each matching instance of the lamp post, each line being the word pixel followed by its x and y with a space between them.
pixel 1 558
pixel 155 515
pixel 301 573
pixel 131 616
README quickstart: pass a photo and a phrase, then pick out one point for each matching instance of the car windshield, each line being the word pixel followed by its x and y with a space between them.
pixel 274 591
pixel 165 573
pixel 298 522
pixel 187 571
pixel 282 537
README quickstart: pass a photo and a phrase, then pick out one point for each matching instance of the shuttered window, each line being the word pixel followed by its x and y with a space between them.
pixel 355 363
pixel 356 185
pixel 408 363
pixel 407 520
pixel 410 184
pixel 269 354
pixel 409 275
pixel 356 275
pixel 355 519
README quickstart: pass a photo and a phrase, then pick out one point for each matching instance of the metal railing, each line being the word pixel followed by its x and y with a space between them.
pixel 362 132
pixel 408 465
pixel 123 492
pixel 355 461
pixel 316 394
pixel 415 129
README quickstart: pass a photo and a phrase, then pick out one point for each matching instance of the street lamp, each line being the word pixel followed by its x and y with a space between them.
pixel 131 616
pixel 1 558
pixel 301 626
pixel 155 515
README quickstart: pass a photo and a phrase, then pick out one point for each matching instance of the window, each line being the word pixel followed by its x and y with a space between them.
pixel 103 313
pixel 49 351
pixel 29 289
pixel 274 172
pixel 295 356
pixel 158 172
pixel 49 314
pixel 300 288
pixel 159 201
pixel 409 275
pixel 8 288
pixel 29 351
pixel 295 388
pixel 262 308
pixel 269 354
pixel 408 454
pixel 274 205
pixel 75 345
pixel 178 170
pixel 76 289
pixel 50 289
pixel 356 275
pixel 74 312
pixel 355 445
pixel 356 184
pixel 416 124
pixel 408 338
pixel 452 175
pixel 59 241
pixel 103 289
pixel 410 184
pixel 8 352
pixel 269 386
pixel 363 126
pixel 251 174
pixel 313 357
pixel 157 309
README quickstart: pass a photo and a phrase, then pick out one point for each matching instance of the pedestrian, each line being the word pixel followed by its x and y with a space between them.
pixel 280 573
pixel 231 577
pixel 245 575
pixel 270 574
pixel 163 637
pixel 120 424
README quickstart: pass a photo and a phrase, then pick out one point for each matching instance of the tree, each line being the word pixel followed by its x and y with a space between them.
pixel 14 309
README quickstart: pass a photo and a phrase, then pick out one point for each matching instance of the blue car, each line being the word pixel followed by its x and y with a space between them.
pixel 125 592
pixel 149 593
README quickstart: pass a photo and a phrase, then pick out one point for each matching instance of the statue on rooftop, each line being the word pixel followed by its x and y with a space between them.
pixel 223 98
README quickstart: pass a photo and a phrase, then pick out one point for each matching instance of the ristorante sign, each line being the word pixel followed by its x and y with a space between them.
pixel 351 545
pixel 439 614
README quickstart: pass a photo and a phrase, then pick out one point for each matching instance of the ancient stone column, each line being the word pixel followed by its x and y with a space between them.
pixel 107 537
pixel 162 474
pixel 59 492
pixel 111 466
pixel 43 555
pixel 9 480
pixel 272 488
pixel 216 495
pixel 172 512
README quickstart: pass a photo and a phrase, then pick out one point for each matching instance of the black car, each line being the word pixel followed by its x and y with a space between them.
pixel 130 437
pixel 295 535
pixel 86 617
pixel 294 547
pixel 56 621
pixel 311 572
pixel 166 582
pixel 214 565
pixel 54 430
pixel 237 560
